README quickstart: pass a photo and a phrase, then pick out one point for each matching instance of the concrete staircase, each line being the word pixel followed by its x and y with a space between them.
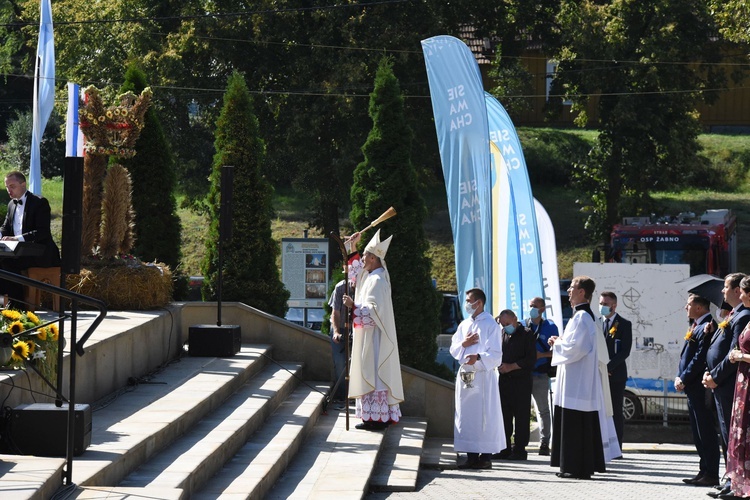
pixel 239 427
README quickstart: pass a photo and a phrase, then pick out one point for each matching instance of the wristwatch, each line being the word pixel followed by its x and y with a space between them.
pixel 479 356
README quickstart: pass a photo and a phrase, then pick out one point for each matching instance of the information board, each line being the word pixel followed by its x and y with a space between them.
pixel 304 272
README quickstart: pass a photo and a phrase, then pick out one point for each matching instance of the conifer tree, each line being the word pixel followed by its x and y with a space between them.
pixel 152 171
pixel 250 274
pixel 387 178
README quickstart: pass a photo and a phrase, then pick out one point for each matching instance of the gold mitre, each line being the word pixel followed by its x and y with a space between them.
pixel 377 247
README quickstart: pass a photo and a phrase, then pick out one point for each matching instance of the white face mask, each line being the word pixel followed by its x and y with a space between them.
pixel 470 308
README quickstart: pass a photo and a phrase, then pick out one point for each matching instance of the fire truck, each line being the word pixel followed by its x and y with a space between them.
pixel 707 243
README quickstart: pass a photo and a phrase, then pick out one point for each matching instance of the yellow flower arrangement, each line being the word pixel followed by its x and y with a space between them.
pixel 724 324
pixel 689 335
pixel 22 341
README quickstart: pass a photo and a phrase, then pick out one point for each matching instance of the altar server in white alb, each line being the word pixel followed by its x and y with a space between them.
pixel 375 375
pixel 577 434
pixel 478 424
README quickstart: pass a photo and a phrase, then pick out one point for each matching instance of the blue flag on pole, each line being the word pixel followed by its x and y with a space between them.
pixel 73 133
pixel 523 273
pixel 461 124
pixel 44 92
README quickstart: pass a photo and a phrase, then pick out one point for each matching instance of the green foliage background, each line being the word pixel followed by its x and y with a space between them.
pixel 387 178
pixel 152 170
pixel 250 274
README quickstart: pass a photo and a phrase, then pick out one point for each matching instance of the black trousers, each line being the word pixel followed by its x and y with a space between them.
pixel 515 401
pixel 577 442
pixel 704 431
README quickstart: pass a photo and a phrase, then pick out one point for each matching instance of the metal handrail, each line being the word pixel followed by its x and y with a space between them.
pixel 75 346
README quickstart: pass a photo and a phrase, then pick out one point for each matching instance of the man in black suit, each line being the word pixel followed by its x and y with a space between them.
pixel 720 373
pixel 688 380
pixel 28 219
pixel 618 333
pixel 519 357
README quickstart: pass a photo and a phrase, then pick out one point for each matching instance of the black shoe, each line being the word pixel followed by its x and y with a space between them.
pixel 693 479
pixel 544 450
pixel 705 481
pixel 568 475
pixel 372 425
pixel 468 464
pixel 520 456
pixel 482 464
pixel 502 455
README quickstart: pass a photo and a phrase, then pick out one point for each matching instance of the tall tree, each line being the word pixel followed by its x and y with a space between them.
pixel 387 178
pixel 16 154
pixel 152 171
pixel 733 18
pixel 639 64
pixel 250 274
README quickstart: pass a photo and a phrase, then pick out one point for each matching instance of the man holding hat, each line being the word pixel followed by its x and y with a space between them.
pixel 375 375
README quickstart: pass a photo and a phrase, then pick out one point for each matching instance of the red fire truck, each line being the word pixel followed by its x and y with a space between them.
pixel 708 243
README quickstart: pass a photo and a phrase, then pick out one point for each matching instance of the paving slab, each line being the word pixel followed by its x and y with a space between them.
pixel 647 470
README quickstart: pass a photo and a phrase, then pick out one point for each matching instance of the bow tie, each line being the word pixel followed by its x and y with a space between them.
pixel 18 202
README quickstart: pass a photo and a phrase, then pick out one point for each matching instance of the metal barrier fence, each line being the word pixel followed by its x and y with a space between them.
pixel 652 409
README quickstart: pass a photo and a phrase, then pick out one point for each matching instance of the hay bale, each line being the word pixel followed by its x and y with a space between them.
pixel 125 287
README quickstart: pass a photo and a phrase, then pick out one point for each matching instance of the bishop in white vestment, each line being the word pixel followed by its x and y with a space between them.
pixel 375 375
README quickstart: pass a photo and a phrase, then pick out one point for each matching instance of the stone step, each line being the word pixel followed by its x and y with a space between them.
pixel 333 463
pixel 256 467
pixel 398 466
pixel 118 493
pixel 202 451
pixel 138 424
pixel 26 477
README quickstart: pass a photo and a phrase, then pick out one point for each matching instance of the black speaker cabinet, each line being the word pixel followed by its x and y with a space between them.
pixel 211 340
pixel 41 428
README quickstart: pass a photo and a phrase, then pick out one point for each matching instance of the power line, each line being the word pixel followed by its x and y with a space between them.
pixel 211 15
pixel 316 93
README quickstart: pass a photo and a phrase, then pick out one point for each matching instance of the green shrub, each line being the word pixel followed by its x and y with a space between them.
pixel 550 154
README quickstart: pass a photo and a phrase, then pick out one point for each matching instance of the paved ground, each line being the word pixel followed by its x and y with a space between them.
pixel 647 471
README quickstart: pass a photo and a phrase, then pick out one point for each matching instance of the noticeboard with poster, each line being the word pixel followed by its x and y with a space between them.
pixel 304 272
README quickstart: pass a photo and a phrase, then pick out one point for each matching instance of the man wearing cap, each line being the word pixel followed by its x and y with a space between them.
pixel 375 375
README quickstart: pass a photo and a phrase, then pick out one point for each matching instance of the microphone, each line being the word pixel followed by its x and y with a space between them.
pixel 30 233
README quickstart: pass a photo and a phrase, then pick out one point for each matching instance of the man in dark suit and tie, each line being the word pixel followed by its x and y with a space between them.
pixel 618 332
pixel 28 219
pixel 689 380
pixel 720 373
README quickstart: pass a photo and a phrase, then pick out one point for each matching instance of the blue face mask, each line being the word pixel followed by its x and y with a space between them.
pixel 509 329
pixel 534 313
pixel 604 310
